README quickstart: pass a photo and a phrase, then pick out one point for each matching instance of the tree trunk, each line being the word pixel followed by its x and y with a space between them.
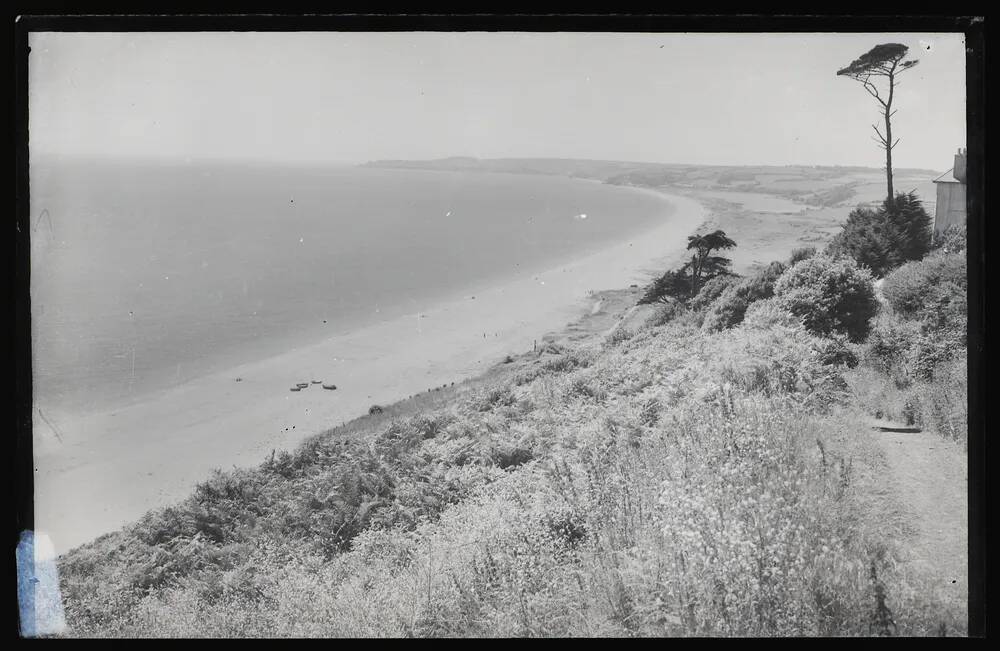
pixel 695 273
pixel 888 158
pixel 888 140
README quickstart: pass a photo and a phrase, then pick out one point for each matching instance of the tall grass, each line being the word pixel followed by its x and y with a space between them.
pixel 670 482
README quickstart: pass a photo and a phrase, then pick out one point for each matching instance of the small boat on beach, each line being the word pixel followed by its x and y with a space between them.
pixel 295 389
pixel 302 385
pixel 317 381
pixel 331 387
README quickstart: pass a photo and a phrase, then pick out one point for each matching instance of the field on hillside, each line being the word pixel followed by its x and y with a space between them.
pixel 813 185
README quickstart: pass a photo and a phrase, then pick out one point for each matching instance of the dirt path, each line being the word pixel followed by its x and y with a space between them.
pixel 931 474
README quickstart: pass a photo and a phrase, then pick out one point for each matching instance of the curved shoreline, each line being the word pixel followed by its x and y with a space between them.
pixel 214 422
pixel 334 300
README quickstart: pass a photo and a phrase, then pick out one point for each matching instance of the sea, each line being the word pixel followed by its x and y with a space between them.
pixel 147 274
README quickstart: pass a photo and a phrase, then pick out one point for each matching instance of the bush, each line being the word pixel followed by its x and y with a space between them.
pixel 728 310
pixel 936 279
pixel 769 313
pixel 837 351
pixel 864 240
pixel 889 345
pixel 912 225
pixel 944 405
pixel 930 296
pixel 908 350
pixel 779 360
pixel 666 313
pixel 885 238
pixel 798 255
pixel 950 240
pixel 711 290
pixel 931 351
pixel 830 295
pixel 618 336
pixel 499 396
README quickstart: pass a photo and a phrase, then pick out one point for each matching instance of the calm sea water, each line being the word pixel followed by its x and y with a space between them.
pixel 146 275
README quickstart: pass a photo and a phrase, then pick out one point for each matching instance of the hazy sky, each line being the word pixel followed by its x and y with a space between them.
pixel 352 97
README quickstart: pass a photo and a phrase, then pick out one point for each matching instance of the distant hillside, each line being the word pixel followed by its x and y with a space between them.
pixel 745 177
pixel 588 169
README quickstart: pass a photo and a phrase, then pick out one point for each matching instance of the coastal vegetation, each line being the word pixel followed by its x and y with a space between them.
pixel 884 238
pixel 708 472
pixel 703 267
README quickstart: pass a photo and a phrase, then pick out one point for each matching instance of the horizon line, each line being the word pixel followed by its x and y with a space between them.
pixel 356 162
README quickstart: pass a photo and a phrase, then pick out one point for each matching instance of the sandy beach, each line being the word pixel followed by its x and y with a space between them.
pixel 214 421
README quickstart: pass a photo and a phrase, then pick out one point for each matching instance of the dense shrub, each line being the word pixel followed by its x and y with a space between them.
pixel 798 255
pixel 909 288
pixel 666 313
pixel 944 403
pixel 931 351
pixel 932 291
pixel 838 351
pixel 831 295
pixel 911 224
pixel 885 238
pixel 769 313
pixel 909 350
pixel 728 310
pixel 889 344
pixel 927 324
pixel 952 239
pixel 864 239
pixel 781 360
pixel 711 290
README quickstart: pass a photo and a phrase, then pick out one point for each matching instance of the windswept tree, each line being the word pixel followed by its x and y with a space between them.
pixel 703 264
pixel 672 285
pixel 881 66
pixel 682 284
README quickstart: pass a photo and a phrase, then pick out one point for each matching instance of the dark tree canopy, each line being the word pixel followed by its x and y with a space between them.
pixel 710 242
pixel 883 239
pixel 703 264
pixel 687 281
pixel 880 60
pixel 671 285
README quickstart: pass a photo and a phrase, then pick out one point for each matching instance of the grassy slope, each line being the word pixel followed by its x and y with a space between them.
pixel 662 482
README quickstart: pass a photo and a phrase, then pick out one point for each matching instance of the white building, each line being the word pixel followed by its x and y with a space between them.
pixel 950 207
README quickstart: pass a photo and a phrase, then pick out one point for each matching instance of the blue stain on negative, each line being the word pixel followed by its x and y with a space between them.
pixel 38 596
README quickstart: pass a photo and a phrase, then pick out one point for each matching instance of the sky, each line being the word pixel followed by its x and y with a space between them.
pixel 739 99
